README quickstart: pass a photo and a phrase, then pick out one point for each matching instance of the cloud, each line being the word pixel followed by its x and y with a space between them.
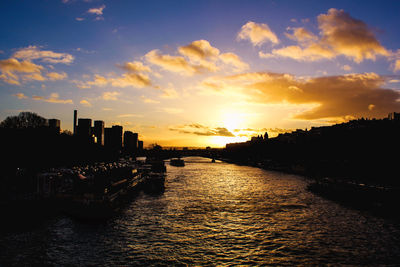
pixel 113 96
pixel 12 70
pixel 130 79
pixel 257 33
pixel 149 100
pixel 33 52
pixel 346 67
pixel 20 95
pixel 169 93
pixel 356 95
pixel 313 52
pixel 97 10
pixel 348 36
pixel 397 65
pixel 53 98
pixel 136 80
pixel 54 76
pixel 197 57
pixel 234 60
pixel 198 129
pixel 340 35
pixel 129 115
pixel 85 103
pixel 173 63
pixel 199 50
pixel 301 35
pixel 33 77
pixel 135 67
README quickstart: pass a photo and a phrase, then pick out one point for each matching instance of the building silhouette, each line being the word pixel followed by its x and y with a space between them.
pixel 84 130
pixel 394 116
pixel 98 131
pixel 130 142
pixel 140 145
pixel 113 137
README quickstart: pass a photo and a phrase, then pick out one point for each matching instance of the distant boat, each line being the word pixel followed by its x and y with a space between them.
pixel 178 162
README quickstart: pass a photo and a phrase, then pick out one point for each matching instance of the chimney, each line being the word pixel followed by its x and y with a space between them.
pixel 75 118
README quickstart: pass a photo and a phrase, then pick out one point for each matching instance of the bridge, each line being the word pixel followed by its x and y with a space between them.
pixel 212 153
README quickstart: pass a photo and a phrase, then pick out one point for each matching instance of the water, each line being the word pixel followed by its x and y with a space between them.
pixel 214 214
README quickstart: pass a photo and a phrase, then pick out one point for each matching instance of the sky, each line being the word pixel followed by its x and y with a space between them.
pixel 200 73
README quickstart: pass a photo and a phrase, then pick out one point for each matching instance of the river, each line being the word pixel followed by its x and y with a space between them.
pixel 214 214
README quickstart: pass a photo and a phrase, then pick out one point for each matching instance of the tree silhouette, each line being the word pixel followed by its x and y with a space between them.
pixel 24 120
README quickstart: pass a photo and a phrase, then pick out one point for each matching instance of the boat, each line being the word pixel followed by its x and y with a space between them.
pixel 177 162
pixel 100 199
pixel 90 192
pixel 154 176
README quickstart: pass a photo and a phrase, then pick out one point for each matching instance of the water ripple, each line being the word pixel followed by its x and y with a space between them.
pixel 215 214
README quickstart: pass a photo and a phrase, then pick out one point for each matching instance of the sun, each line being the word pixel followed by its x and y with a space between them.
pixel 232 120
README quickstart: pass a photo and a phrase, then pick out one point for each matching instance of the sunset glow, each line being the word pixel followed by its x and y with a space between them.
pixel 200 73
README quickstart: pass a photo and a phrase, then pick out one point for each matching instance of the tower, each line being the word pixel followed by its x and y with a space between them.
pixel 75 119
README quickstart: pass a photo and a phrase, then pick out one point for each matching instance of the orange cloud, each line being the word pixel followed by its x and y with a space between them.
pixel 301 35
pixel 11 70
pixel 33 52
pixel 53 98
pixel 173 63
pixel 353 95
pixel 170 92
pixel 197 57
pixel 113 96
pixel 257 33
pixel 85 102
pixel 130 79
pixel 149 100
pixel 348 36
pixel 135 66
pixel 397 65
pixel 340 34
pixel 54 76
pixel 199 50
pixel 20 96
pixel 136 80
pixel 234 60
pixel 97 10
pixel 312 52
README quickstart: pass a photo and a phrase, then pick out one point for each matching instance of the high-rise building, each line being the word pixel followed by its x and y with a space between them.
pixel 130 142
pixel 55 124
pixel 140 146
pixel 113 137
pixel 84 128
pixel 98 131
